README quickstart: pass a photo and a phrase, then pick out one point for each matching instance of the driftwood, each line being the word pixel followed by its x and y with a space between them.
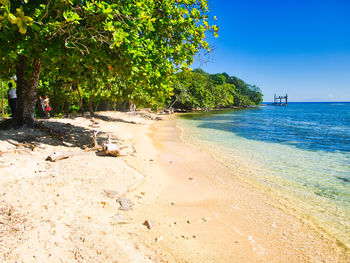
pixel 94 125
pixel 56 156
pixel 31 146
pixel 94 139
pixel 68 144
pixel 110 149
pixel 99 148
pixel 114 150
pixel 107 149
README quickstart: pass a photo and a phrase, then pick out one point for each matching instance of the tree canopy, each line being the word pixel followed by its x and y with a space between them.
pixel 127 48
pixel 198 89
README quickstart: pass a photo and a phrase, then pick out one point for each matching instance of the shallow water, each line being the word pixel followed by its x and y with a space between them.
pixel 301 151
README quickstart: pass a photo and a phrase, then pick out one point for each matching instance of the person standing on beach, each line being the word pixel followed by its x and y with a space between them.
pixel 12 99
pixel 47 107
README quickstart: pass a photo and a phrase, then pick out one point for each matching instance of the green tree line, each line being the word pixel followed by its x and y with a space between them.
pixel 191 90
pixel 198 89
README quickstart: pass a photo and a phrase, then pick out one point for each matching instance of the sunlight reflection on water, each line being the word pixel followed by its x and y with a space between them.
pixel 314 180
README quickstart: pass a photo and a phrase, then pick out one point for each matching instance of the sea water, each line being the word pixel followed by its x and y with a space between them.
pixel 300 152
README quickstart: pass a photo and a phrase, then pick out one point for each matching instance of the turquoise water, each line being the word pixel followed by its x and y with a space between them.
pixel 300 151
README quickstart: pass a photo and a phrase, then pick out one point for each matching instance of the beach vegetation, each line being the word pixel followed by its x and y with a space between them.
pixel 200 90
pixel 89 51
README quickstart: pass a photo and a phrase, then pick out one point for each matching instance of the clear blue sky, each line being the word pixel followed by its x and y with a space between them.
pixel 299 47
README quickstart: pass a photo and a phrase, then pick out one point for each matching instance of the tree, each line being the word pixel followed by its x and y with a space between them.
pixel 143 41
pixel 217 79
pixel 198 89
pixel 192 91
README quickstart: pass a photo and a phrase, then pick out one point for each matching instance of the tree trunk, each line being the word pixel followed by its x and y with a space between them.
pixel 67 108
pixel 96 105
pixel 27 88
pixel 91 109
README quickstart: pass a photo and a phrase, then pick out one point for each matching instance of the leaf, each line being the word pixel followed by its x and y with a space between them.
pixel 4 2
pixel 35 27
pixel 12 18
pixel 22 27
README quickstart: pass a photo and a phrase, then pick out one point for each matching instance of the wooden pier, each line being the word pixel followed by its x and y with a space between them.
pixel 280 100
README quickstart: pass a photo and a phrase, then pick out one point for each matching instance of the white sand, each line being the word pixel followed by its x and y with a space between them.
pixel 59 212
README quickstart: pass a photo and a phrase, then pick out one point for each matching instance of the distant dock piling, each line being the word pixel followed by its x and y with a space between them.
pixel 280 100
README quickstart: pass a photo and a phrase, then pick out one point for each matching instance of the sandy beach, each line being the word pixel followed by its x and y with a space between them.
pixel 185 205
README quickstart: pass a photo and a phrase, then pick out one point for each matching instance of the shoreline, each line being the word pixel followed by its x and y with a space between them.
pixel 262 225
pixel 187 206
pixel 280 199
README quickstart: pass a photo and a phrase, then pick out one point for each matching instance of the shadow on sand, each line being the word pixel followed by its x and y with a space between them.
pixel 53 133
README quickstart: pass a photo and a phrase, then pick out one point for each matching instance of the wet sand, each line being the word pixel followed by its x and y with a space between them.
pixel 203 212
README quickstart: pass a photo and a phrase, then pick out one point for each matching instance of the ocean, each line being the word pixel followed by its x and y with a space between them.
pixel 300 153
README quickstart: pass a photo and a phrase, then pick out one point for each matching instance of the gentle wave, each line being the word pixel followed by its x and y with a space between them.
pixel 307 160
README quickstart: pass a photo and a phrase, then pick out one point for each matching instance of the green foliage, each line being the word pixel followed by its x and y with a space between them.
pixel 6 105
pixel 251 93
pixel 198 89
pixel 105 49
pixel 192 91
